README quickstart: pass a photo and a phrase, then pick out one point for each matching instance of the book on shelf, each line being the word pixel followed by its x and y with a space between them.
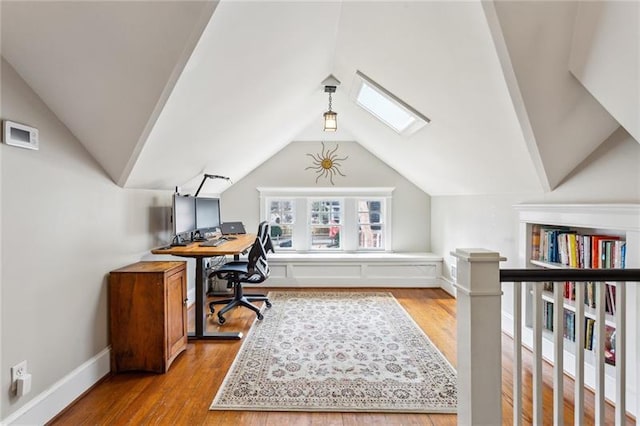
pixel 589 332
pixel 599 257
pixel 610 299
pixel 535 241
pixel 586 251
pixel 610 345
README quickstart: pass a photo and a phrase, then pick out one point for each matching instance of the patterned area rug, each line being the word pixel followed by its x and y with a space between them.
pixel 338 352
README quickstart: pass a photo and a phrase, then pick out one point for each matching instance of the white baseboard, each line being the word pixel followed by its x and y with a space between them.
pixel 507 323
pixel 448 286
pixel 349 283
pixel 49 403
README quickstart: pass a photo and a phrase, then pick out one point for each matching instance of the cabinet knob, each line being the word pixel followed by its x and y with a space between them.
pixel 185 302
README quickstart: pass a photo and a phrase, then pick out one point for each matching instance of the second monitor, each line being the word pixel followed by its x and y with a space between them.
pixel 207 214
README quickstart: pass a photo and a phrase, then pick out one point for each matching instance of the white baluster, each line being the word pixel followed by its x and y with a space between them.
pixel 621 347
pixel 537 353
pixel 579 375
pixel 558 354
pixel 517 354
pixel 598 349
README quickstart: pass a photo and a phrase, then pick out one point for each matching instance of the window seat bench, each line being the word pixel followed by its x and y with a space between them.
pixel 354 269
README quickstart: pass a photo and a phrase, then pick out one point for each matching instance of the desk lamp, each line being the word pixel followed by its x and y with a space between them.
pixel 207 176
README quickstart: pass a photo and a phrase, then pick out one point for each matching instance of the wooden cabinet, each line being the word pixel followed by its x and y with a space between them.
pixel 148 315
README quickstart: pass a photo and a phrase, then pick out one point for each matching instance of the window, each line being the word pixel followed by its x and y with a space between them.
pixel 328 219
pixel 325 224
pixel 281 220
pixel 387 107
pixel 370 224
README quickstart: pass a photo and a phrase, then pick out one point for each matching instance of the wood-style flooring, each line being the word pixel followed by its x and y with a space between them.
pixel 183 395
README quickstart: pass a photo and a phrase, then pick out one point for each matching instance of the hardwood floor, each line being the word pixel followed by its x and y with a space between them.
pixel 183 395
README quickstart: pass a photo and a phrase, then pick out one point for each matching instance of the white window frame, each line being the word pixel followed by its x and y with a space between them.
pixel 349 239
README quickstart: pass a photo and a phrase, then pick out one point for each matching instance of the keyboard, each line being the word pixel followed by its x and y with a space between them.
pixel 213 243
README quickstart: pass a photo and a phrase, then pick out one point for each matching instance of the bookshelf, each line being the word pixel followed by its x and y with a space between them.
pixel 583 236
pixel 556 247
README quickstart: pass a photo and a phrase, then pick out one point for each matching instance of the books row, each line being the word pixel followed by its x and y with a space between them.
pixel 569 292
pixel 568 247
pixel 569 331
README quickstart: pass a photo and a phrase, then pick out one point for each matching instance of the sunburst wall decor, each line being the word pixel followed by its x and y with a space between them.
pixel 326 163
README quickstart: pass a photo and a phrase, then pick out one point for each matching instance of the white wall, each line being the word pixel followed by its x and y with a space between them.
pixel 65 225
pixel 411 206
pixel 610 175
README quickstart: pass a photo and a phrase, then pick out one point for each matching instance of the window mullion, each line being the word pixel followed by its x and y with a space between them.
pixel 350 228
pixel 301 227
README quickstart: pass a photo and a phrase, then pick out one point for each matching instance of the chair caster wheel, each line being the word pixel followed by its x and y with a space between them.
pixel 260 316
pixel 221 320
pixel 269 305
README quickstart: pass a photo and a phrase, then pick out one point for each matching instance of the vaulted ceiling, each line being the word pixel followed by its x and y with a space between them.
pixel 161 92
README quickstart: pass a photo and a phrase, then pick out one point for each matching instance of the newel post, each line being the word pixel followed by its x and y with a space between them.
pixel 479 337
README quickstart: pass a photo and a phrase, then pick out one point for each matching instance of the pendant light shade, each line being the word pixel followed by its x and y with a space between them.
pixel 330 121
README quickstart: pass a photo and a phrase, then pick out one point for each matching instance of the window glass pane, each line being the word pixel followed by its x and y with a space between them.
pixel 326 224
pixel 371 237
pixel 384 108
pixel 325 237
pixel 282 218
pixel 371 224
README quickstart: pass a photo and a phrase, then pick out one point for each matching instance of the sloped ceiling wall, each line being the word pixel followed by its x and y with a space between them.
pixel 115 73
pixel 253 82
pixel 604 58
pixel 568 122
pixel 104 68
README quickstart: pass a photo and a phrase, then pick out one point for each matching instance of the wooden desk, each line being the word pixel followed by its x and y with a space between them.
pixel 234 247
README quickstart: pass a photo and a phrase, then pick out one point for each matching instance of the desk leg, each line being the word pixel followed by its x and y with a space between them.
pixel 201 318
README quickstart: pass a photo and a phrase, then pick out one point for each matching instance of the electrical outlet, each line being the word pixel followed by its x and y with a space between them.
pixel 18 371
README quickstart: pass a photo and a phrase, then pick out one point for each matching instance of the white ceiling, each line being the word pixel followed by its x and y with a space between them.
pixel 494 81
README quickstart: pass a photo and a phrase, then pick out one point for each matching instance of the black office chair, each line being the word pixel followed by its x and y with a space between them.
pixel 265 236
pixel 265 239
pixel 253 271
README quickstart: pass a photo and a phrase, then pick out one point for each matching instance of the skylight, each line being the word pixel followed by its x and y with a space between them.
pixel 386 107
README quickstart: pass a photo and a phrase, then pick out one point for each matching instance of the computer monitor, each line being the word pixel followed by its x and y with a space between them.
pixel 184 215
pixel 207 214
